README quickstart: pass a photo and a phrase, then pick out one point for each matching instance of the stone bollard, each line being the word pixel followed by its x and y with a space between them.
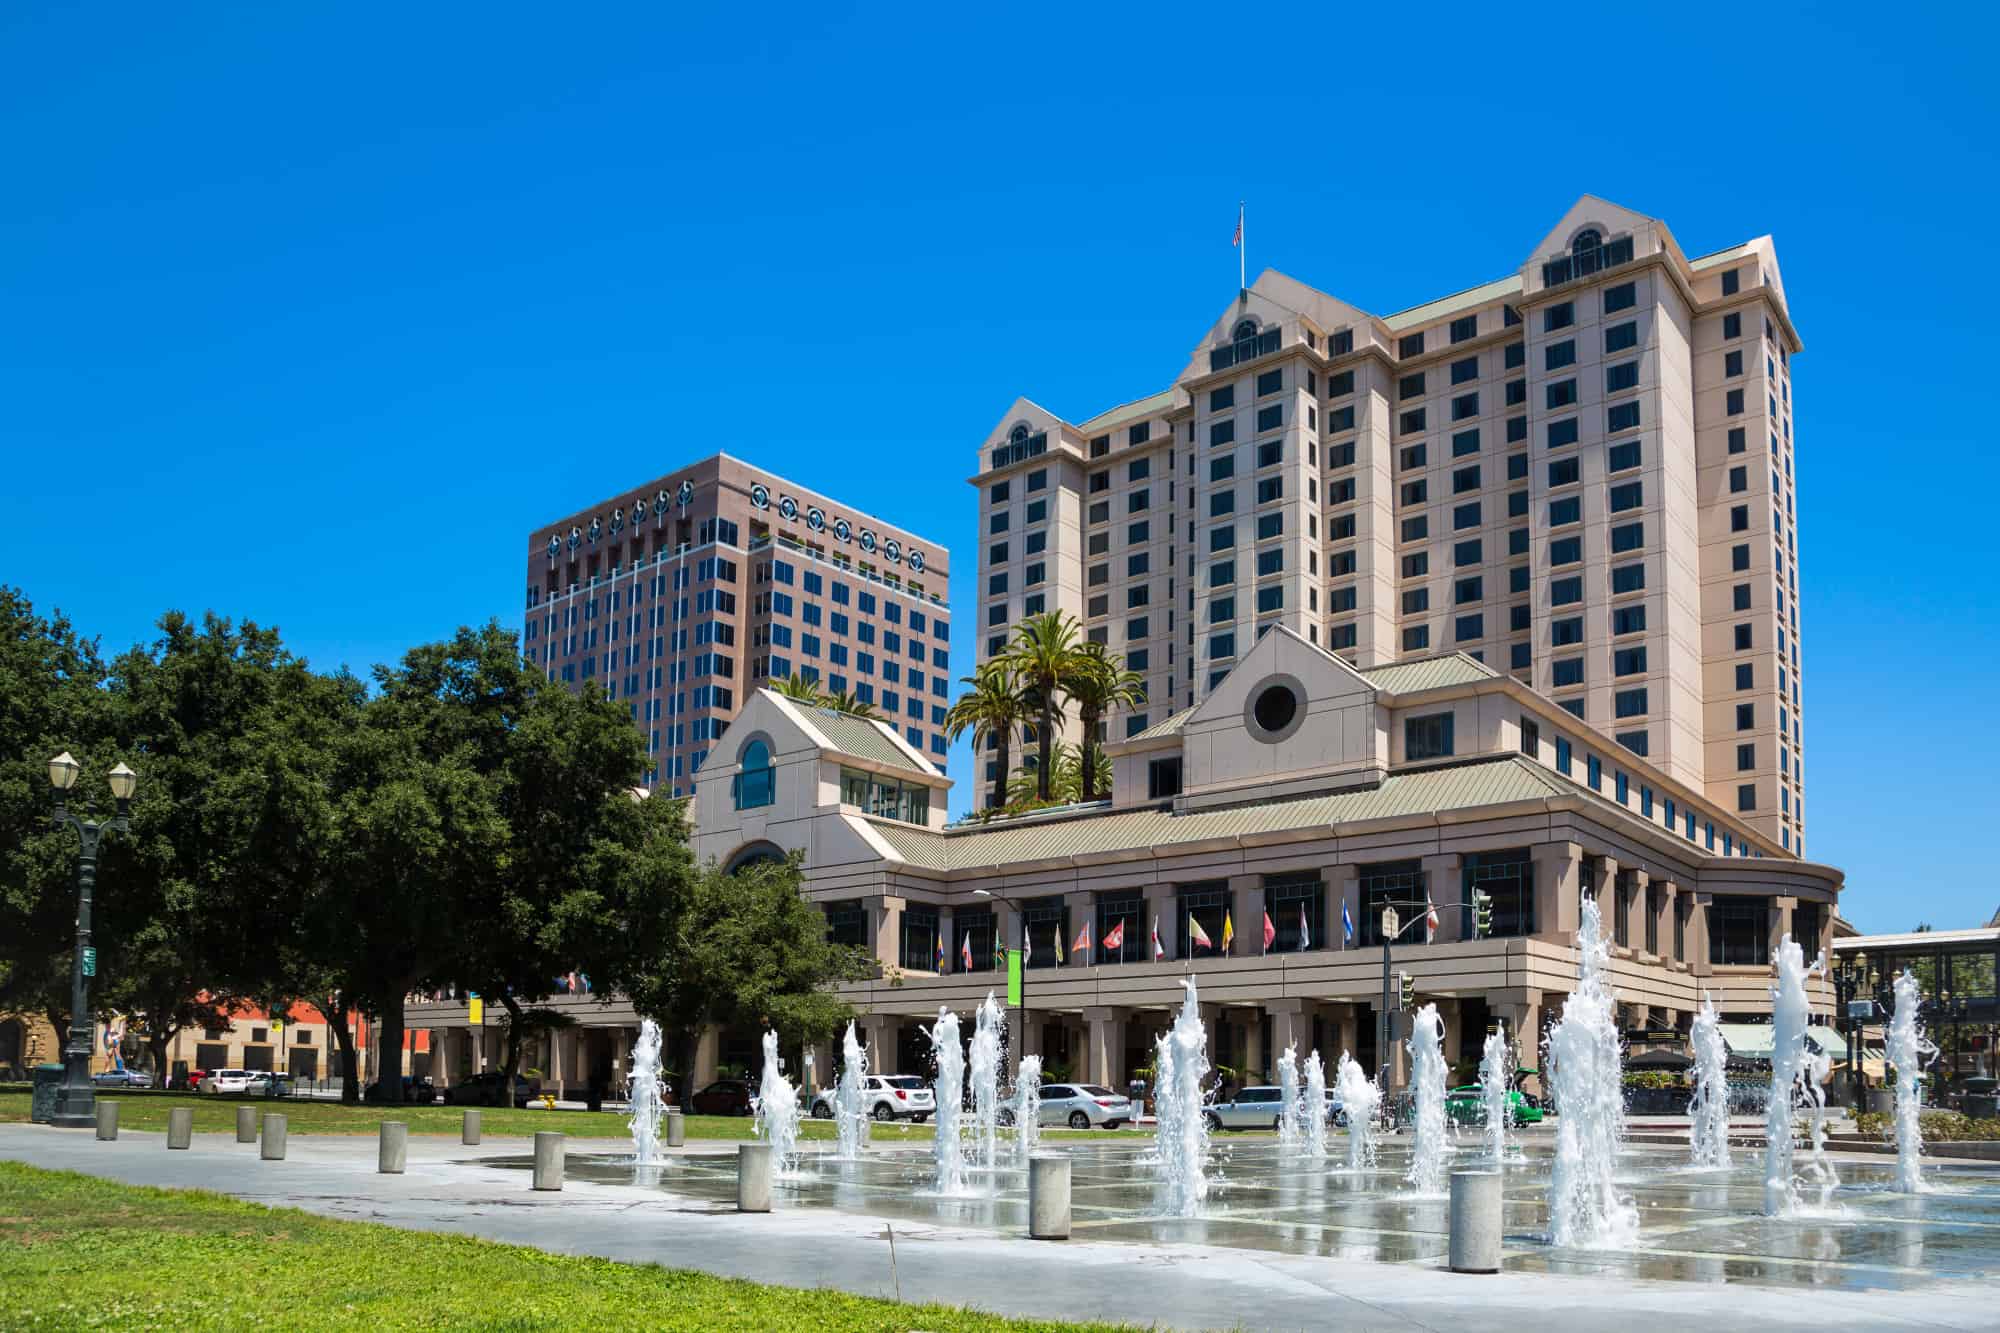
pixel 180 1126
pixel 393 1149
pixel 273 1148
pixel 1048 1196
pixel 246 1124
pixel 548 1159
pixel 753 1178
pixel 676 1129
pixel 468 1132
pixel 107 1120
pixel 1475 1221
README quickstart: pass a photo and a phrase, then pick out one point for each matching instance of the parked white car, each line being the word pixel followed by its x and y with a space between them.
pixel 886 1097
pixel 1085 1106
pixel 226 1080
pixel 1251 1108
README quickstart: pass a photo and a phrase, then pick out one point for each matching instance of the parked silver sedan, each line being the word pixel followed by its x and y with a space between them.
pixel 1251 1108
pixel 1085 1106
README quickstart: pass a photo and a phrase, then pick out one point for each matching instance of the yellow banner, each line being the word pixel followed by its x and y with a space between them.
pixel 475 1011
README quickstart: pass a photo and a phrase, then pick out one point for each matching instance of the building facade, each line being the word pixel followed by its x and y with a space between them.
pixel 682 595
pixel 1303 792
pixel 1580 474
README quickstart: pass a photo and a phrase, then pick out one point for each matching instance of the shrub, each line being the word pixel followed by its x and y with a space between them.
pixel 1937 1126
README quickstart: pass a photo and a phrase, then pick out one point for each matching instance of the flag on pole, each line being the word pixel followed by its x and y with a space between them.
pixel 965 953
pixel 1242 255
pixel 1059 956
pixel 1270 931
pixel 1236 241
pixel 1159 950
pixel 1346 924
pixel 1430 921
pixel 1305 936
pixel 939 938
pixel 1028 946
pixel 1196 935
pixel 1114 938
pixel 1228 930
pixel 1081 944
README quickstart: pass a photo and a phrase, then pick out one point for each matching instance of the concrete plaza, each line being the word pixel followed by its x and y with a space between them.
pixel 680 1216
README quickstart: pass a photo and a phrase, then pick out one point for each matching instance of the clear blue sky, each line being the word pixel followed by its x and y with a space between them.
pixel 308 314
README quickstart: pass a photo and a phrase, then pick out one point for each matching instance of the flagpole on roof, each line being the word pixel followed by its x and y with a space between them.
pixel 1242 250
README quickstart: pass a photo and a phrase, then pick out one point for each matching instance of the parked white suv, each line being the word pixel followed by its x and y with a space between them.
pixel 1251 1108
pixel 226 1080
pixel 886 1097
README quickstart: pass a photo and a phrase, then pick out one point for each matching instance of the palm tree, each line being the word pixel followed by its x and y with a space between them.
pixel 1064 785
pixel 798 687
pixel 1044 658
pixel 1100 685
pixel 845 702
pixel 992 707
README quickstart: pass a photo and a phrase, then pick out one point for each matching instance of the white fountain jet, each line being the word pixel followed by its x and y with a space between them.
pixel 986 1079
pixel 1291 1125
pixel 1429 1153
pixel 850 1107
pixel 1028 1108
pixel 1181 1136
pixel 645 1100
pixel 1587 1078
pixel 1909 1051
pixel 947 1153
pixel 778 1109
pixel 1314 1115
pixel 1360 1101
pixel 1708 1109
pixel 1798 1073
pixel 1496 1086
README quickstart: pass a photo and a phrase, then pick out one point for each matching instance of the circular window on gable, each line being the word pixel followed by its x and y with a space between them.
pixel 1276 707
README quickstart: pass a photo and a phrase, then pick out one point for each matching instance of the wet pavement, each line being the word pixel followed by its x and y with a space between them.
pixel 1695 1226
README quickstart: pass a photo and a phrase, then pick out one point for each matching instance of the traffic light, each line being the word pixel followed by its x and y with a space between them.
pixel 1482 913
pixel 1406 990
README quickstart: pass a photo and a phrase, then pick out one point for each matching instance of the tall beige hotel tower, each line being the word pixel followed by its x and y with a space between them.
pixel 1579 473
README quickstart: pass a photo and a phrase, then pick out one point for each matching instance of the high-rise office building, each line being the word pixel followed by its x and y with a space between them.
pixel 681 595
pixel 1580 473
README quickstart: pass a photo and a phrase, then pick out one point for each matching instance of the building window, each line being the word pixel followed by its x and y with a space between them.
pixel 1296 903
pixel 1427 737
pixel 1206 902
pixel 757 784
pixel 1392 883
pixel 1163 778
pixel 1508 878
pixel 1738 931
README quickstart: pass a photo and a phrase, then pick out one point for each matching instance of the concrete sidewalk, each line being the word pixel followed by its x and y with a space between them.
pixel 449 1188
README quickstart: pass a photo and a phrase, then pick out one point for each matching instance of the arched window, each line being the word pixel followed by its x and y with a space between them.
pixel 1586 240
pixel 757 783
pixel 1245 328
pixel 1019 434
pixel 756 854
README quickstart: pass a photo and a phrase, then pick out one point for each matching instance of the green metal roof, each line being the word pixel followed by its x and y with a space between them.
pixel 1428 673
pixel 1469 299
pixel 1150 406
pixel 860 737
pixel 1501 781
pixel 1169 727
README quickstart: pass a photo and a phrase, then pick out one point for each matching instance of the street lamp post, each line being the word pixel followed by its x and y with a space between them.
pixel 76 1101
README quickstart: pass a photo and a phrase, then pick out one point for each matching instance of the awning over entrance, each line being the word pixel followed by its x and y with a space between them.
pixel 1753 1041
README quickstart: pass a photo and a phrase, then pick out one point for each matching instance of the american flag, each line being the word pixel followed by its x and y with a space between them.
pixel 1237 239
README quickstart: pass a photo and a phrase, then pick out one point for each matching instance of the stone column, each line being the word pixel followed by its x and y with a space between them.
pixel 621 1055
pixel 1454 1030
pixel 1637 883
pixel 1254 1062
pixel 1104 1051
pixel 948 933
pixel 885 930
pixel 1289 1024
pixel 1246 906
pixel 1018 1023
pixel 1444 880
pixel 1664 921
pixel 1607 893
pixel 1343 888
pixel 1520 1008
pixel 1160 907
pixel 1397 1056
pixel 707 1056
pixel 879 1031
pixel 1556 889
pixel 1346 1031
pixel 1006 926
pixel 1698 934
pixel 1780 917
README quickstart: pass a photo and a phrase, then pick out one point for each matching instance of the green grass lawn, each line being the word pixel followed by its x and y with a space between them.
pixel 78 1252
pixel 148 1111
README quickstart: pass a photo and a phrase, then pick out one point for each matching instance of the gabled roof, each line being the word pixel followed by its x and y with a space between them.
pixel 860 737
pixel 1150 406
pixel 1169 727
pixel 1501 781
